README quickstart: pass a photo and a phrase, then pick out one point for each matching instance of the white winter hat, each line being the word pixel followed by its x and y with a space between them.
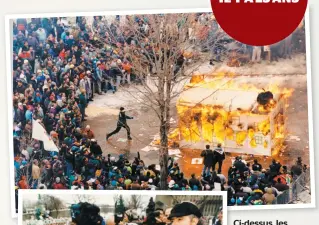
pixel 113 64
pixel 171 183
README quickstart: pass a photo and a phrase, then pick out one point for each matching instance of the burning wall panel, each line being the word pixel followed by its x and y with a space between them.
pixel 231 117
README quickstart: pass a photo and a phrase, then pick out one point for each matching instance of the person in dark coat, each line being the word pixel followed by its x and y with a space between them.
pixel 179 64
pixel 296 170
pixel 83 103
pixel 257 166
pixel 20 88
pixel 281 186
pixel 95 148
pixel 208 156
pixel 121 123
pixel 274 169
pixel 239 165
pixel 194 182
pixel 219 157
pixel 63 150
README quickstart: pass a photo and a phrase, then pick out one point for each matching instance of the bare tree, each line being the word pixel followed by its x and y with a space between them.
pixel 53 203
pixel 156 53
pixel 135 202
pixel 84 198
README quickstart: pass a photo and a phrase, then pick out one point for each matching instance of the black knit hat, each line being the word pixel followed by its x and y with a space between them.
pixel 122 108
pixel 185 209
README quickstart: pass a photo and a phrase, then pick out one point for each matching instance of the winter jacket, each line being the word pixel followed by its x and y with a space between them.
pixel 194 182
pixel 208 155
pixel 28 115
pixel 32 41
pixel 35 172
pixel 269 197
pixel 219 154
pixel 257 167
pixel 98 74
pixel 239 165
pixel 122 119
pixel 58 186
pixel 86 85
pixel 42 35
pixel 89 134
pixel 23 184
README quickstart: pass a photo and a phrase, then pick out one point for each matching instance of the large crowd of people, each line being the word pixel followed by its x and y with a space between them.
pixel 58 68
pixel 57 71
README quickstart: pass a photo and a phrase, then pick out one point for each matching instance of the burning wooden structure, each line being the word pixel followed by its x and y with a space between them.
pixel 243 118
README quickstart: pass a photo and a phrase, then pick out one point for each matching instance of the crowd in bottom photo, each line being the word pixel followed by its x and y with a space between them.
pixel 57 208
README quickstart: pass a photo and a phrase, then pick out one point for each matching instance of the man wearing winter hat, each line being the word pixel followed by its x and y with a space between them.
pixel 185 213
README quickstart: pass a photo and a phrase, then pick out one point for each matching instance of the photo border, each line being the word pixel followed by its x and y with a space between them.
pixel 8 19
pixel 24 192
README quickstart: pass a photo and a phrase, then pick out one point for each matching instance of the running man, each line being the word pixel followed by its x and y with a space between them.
pixel 121 123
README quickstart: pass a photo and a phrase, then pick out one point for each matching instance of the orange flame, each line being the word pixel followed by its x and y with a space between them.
pixel 205 122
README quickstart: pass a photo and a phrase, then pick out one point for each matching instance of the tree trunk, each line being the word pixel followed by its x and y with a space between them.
pixel 163 158
pixel 164 130
pixel 163 152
